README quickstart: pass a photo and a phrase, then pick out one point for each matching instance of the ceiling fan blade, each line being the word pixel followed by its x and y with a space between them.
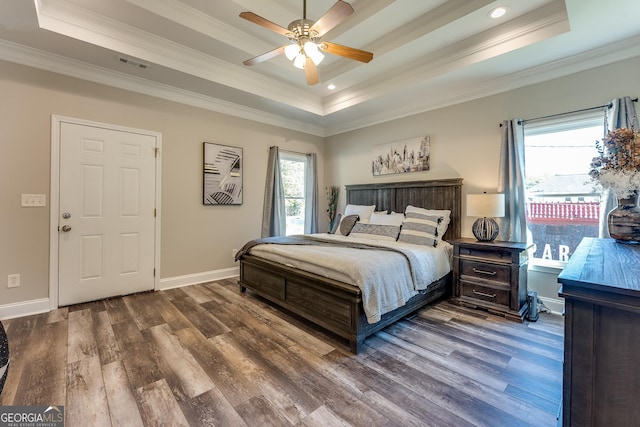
pixel 347 52
pixel 265 56
pixel 252 17
pixel 335 15
pixel 311 72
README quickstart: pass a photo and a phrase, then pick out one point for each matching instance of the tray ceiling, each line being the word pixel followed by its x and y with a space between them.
pixel 427 53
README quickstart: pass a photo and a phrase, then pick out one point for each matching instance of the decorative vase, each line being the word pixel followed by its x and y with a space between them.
pixel 624 220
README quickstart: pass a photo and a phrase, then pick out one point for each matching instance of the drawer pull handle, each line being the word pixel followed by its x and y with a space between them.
pixel 490 273
pixel 482 294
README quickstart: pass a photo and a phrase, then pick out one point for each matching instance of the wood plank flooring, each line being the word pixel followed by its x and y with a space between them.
pixel 207 355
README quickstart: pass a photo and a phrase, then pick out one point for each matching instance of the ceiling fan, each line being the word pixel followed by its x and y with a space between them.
pixel 306 46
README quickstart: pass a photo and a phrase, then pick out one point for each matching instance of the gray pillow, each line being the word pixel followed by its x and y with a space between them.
pixel 347 224
pixel 376 232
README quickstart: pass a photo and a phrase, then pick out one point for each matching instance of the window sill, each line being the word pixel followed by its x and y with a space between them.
pixel 546 268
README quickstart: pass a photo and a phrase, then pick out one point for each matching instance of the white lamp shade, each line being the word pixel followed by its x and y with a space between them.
pixel 299 61
pixel 312 51
pixel 291 51
pixel 485 205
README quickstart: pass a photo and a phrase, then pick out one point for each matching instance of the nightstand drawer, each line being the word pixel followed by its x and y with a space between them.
pixel 485 271
pixel 485 293
pixel 491 275
pixel 493 254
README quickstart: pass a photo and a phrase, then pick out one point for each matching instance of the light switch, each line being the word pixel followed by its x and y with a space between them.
pixel 30 200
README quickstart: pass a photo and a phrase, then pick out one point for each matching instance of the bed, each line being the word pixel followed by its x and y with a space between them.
pixel 337 305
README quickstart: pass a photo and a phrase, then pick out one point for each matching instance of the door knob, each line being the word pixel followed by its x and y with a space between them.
pixel 66 228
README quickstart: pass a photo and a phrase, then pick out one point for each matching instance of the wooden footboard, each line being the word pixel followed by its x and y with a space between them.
pixel 333 305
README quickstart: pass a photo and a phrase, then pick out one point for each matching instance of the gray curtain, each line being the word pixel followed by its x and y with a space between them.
pixel 311 195
pixel 511 181
pixel 274 217
pixel 621 114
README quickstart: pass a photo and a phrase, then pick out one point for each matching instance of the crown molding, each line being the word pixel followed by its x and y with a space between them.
pixel 35 58
pixel 604 55
pixel 69 20
pixel 188 17
pixel 534 26
pixel 421 26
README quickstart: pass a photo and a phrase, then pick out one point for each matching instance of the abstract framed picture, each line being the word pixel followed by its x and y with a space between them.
pixel 410 155
pixel 222 174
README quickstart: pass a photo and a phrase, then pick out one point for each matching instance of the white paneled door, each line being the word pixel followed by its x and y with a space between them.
pixel 106 213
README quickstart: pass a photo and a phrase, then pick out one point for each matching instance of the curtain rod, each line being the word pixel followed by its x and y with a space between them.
pixel 290 151
pixel 609 105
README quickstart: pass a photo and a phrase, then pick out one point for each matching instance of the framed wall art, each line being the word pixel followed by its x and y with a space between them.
pixel 410 155
pixel 222 174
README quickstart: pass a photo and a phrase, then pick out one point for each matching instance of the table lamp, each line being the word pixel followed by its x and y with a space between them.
pixel 486 207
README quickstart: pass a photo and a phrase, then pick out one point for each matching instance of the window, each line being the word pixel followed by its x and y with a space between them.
pixel 292 171
pixel 562 205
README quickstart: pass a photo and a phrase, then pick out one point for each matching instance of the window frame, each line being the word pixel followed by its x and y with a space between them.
pixel 550 125
pixel 301 158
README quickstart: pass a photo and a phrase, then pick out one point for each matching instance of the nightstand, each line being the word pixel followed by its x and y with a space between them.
pixel 491 275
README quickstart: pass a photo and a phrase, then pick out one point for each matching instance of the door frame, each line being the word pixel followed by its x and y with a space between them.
pixel 54 198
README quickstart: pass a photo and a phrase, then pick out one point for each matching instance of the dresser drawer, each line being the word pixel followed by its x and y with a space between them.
pixel 485 271
pixel 487 254
pixel 485 293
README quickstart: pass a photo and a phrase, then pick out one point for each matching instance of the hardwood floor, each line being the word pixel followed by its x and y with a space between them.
pixel 209 355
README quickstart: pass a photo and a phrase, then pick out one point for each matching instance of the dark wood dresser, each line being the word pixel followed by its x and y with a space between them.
pixel 601 380
pixel 491 275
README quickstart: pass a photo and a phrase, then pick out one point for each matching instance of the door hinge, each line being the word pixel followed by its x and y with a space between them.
pixel 154 212
pixel 154 272
pixel 156 150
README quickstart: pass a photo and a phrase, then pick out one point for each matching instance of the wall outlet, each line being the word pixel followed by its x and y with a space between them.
pixel 13 280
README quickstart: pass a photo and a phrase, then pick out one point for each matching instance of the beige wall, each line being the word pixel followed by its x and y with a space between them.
pixel 195 238
pixel 464 143
pixel 465 138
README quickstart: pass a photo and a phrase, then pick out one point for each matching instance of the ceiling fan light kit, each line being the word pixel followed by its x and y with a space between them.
pixel 312 50
pixel 305 36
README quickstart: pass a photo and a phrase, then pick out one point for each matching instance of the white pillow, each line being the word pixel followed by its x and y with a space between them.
pixel 444 213
pixel 364 212
pixel 383 218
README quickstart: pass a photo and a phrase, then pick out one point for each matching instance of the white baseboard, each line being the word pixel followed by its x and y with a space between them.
pixel 194 279
pixel 37 306
pixel 24 308
pixel 555 305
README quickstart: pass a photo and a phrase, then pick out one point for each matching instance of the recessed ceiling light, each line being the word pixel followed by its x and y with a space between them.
pixel 498 12
pixel 331 86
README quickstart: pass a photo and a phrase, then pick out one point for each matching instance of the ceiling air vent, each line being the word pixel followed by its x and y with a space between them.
pixel 132 62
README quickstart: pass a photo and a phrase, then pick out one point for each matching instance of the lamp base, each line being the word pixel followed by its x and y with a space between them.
pixel 485 229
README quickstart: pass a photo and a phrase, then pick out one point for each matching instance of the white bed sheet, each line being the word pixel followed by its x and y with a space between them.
pixel 383 289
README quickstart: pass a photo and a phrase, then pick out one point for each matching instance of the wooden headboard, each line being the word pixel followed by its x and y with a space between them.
pixel 396 196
